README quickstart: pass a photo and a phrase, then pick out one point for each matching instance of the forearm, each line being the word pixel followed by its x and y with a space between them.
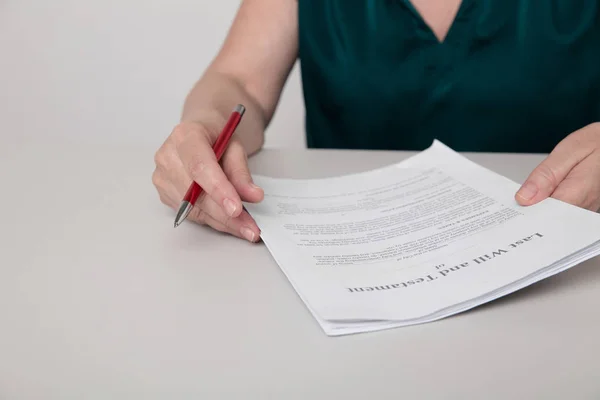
pixel 251 69
pixel 211 101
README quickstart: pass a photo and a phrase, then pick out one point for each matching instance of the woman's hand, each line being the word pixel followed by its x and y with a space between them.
pixel 570 173
pixel 187 155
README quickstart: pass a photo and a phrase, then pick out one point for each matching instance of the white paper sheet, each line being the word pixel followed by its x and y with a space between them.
pixel 414 242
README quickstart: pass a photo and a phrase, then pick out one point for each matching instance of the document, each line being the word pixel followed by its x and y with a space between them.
pixel 414 242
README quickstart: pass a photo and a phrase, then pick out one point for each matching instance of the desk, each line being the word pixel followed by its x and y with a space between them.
pixel 100 298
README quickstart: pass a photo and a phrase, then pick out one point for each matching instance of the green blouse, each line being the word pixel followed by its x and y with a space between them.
pixel 511 75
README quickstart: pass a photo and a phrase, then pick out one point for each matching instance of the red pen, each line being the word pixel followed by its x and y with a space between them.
pixel 219 147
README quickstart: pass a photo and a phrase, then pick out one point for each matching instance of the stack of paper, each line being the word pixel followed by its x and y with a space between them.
pixel 414 242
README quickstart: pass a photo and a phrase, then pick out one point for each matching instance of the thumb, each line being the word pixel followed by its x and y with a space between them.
pixel 546 177
pixel 540 184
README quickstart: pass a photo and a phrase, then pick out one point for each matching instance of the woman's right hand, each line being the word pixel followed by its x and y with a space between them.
pixel 187 155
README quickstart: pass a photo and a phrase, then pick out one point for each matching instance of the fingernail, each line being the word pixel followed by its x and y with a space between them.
pixel 247 233
pixel 253 186
pixel 230 207
pixel 527 191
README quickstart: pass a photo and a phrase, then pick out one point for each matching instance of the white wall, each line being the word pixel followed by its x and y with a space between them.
pixel 115 69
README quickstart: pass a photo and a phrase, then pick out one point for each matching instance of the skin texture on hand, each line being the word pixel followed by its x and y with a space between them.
pixel 187 155
pixel 251 68
pixel 570 173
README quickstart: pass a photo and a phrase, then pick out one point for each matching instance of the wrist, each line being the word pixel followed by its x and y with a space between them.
pixel 211 120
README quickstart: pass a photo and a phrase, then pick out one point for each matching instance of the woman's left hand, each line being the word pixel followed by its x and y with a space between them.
pixel 570 173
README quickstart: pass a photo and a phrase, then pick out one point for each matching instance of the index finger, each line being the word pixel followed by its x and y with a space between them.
pixel 201 164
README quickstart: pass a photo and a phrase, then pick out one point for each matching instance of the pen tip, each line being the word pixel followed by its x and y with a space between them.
pixel 183 212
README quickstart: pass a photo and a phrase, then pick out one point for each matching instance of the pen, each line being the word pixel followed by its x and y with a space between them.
pixel 219 147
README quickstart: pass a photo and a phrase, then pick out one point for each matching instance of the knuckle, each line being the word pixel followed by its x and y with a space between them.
pixel 165 156
pixel 211 179
pixel 158 179
pixel 184 131
pixel 198 215
pixel 215 184
pixel 179 131
pixel 159 157
pixel 239 173
pixel 547 175
pixel 197 167
pixel 181 134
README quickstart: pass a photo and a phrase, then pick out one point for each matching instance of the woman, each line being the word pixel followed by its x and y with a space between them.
pixel 479 75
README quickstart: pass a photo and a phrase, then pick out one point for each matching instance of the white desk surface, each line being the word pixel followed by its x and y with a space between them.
pixel 100 298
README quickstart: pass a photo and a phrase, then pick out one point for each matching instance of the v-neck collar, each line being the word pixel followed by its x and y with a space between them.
pixel 464 4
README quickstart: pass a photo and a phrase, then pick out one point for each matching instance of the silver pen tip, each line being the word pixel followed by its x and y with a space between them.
pixel 183 212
